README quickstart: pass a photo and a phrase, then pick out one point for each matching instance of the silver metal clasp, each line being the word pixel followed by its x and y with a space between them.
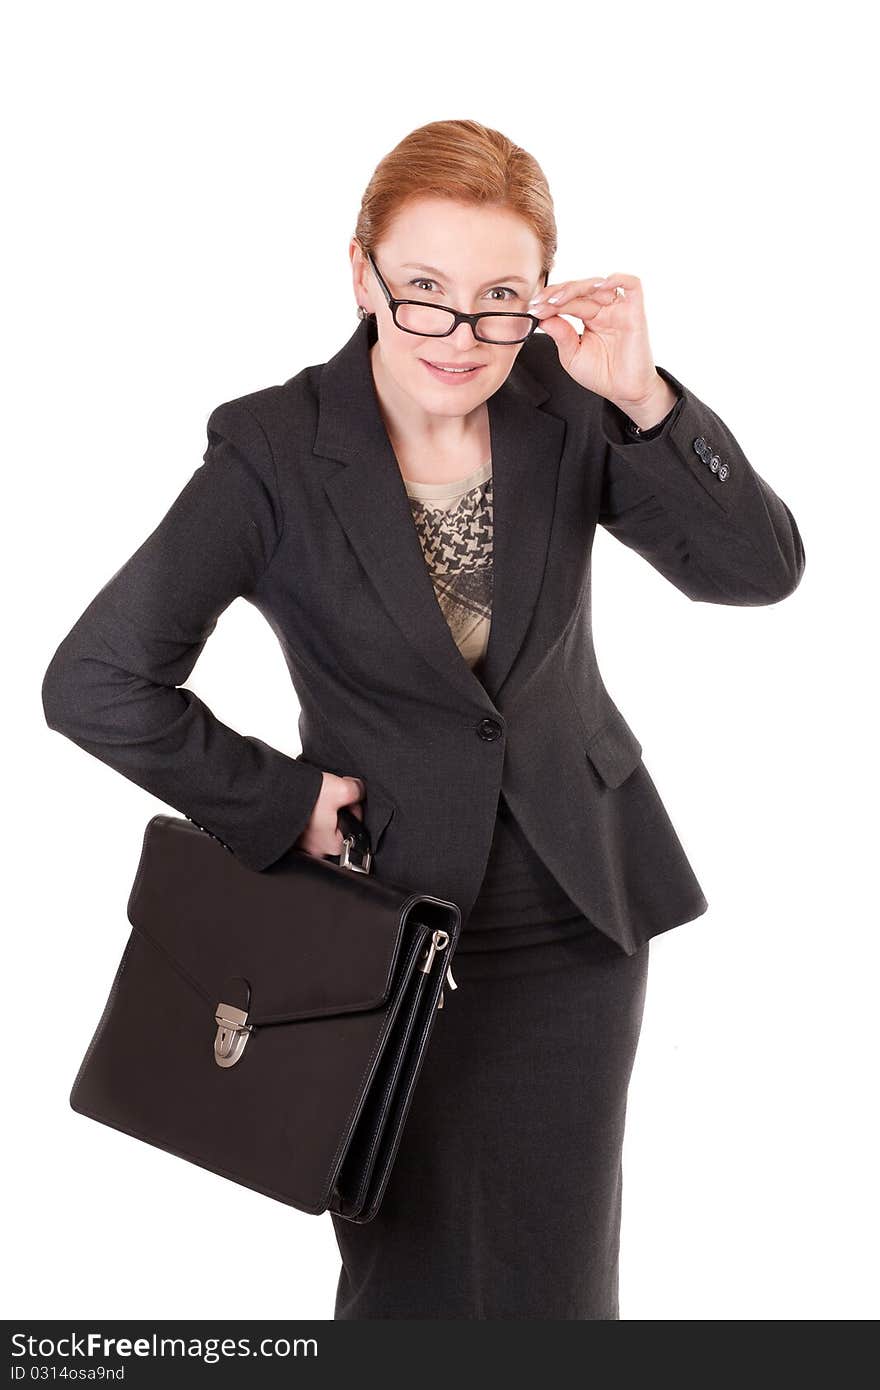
pixel 439 942
pixel 450 982
pixel 345 861
pixel 233 1031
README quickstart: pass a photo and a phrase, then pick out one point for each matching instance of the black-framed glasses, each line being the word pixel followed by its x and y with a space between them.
pixel 435 321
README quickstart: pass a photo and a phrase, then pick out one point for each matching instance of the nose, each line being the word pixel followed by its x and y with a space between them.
pixel 463 336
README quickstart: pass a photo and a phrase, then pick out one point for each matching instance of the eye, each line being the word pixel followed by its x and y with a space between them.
pixel 503 290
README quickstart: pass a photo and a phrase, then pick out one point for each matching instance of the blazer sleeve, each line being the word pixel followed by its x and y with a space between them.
pixel 685 497
pixel 114 685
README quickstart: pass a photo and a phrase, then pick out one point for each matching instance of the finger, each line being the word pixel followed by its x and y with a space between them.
pixel 547 291
pixel 582 308
pixel 602 292
pixel 590 309
pixel 321 845
pixel 619 277
pixel 325 838
pixel 564 335
pixel 355 790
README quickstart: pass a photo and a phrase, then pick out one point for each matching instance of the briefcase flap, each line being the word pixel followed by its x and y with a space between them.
pixel 310 937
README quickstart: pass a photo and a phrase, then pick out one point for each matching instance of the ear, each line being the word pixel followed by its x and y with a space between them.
pixel 359 268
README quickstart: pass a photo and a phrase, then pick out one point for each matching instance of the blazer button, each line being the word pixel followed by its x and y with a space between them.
pixel 489 729
pixel 714 462
pixel 702 448
pixel 723 472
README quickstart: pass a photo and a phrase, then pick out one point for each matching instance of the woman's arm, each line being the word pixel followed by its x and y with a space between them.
pixel 685 496
pixel 114 684
pixel 682 493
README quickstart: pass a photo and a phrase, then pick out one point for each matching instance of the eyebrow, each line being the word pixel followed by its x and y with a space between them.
pixel 432 270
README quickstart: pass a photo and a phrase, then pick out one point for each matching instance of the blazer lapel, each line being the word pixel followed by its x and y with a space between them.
pixel 527 447
pixel 371 503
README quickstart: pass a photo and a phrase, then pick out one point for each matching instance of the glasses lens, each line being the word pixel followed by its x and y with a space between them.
pixel 428 319
pixel 433 321
pixel 504 328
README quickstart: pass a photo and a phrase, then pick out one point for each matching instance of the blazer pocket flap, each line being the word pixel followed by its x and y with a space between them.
pixel 614 750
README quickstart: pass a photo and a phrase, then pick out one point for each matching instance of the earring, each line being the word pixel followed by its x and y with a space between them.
pixel 362 312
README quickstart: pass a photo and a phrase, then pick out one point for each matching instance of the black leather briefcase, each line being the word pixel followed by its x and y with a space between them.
pixel 270 1026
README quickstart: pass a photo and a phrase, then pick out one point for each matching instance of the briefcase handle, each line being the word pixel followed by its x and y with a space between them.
pixel 356 840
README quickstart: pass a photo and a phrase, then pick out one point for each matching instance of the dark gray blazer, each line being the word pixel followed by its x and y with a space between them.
pixel 300 507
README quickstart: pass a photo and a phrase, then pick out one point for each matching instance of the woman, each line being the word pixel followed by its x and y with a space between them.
pixel 414 518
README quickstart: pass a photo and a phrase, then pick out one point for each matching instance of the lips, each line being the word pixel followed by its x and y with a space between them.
pixel 456 365
pixel 454 375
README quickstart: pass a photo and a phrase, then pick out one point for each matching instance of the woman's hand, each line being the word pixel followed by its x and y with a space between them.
pixel 613 355
pixel 322 834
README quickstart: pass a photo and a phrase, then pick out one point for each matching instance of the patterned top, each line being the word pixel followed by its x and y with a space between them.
pixel 454 525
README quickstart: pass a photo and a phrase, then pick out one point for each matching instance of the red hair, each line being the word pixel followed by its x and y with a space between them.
pixel 468 163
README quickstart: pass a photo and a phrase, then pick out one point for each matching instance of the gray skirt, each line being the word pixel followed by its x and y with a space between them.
pixel 505 1196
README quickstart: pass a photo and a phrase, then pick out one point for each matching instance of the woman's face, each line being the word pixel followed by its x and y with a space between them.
pixel 463 257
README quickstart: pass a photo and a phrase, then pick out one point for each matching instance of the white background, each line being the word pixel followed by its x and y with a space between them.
pixel 184 179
